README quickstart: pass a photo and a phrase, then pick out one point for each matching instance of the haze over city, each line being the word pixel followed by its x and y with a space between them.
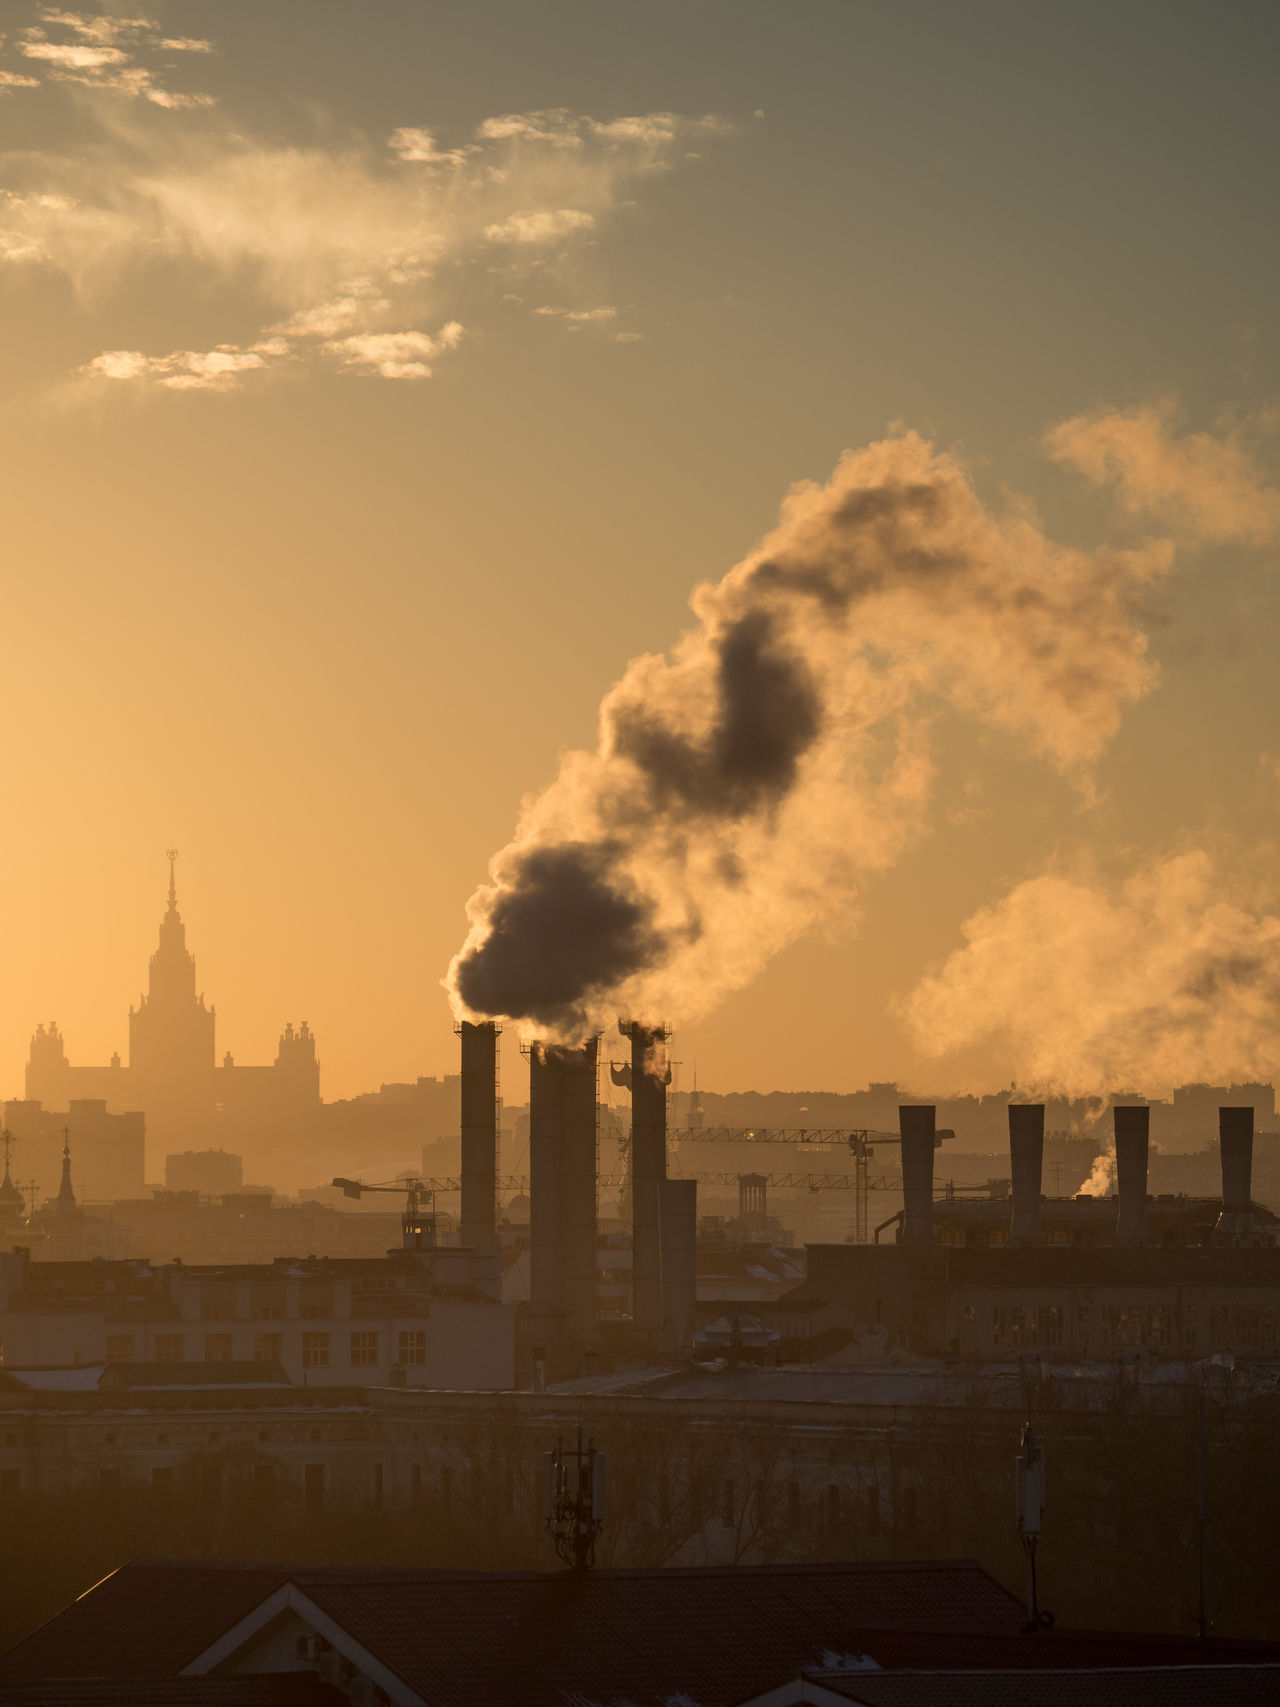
pixel 640 944
pixel 379 385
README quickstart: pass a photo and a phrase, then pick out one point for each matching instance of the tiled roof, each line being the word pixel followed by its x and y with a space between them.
pixel 714 1636
pixel 1051 1650
pixel 1151 1686
pixel 705 1635
pixel 148 1619
pixel 278 1689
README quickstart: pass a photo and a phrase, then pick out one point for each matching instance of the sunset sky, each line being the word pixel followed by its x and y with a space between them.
pixel 377 381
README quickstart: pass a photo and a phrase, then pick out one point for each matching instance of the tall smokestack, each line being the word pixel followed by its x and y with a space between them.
pixel 1026 1160
pixel 679 1198
pixel 546 1176
pixel 580 1256
pixel 1235 1144
pixel 650 1076
pixel 1132 1128
pixel 479 1134
pixel 916 1124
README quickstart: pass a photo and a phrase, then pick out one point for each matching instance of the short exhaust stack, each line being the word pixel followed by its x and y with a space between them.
pixel 1133 1132
pixel 916 1125
pixel 1026 1163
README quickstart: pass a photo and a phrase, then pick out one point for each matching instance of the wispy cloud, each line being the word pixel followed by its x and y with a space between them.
pixel 1208 486
pixel 357 254
pixel 573 319
pixel 394 355
pixel 540 225
pixel 107 53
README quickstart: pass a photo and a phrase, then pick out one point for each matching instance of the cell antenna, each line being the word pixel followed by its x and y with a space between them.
pixel 1029 1497
pixel 574 1502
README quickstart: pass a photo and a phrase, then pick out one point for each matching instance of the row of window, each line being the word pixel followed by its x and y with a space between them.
pixel 1042 1325
pixel 363 1348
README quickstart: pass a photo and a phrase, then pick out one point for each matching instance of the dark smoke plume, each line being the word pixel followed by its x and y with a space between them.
pixel 743 786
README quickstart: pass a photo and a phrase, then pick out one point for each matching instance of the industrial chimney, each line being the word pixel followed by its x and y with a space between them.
pixel 546 1176
pixel 1132 1128
pixel 1026 1160
pixel 679 1198
pixel 916 1123
pixel 479 1134
pixel 650 1076
pixel 562 1180
pixel 1235 1143
pixel 581 1257
pixel 1235 1225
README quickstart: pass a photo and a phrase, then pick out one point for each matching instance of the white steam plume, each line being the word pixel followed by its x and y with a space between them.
pixel 1144 985
pixel 742 786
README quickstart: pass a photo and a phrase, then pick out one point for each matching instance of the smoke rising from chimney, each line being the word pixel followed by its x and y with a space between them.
pixel 1096 986
pixel 747 783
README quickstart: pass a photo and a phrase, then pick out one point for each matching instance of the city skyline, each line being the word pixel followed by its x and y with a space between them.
pixel 407 372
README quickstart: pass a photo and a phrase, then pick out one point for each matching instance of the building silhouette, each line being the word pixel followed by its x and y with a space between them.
pixel 173 1074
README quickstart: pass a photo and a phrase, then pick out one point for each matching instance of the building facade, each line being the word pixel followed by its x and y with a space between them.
pixel 427 1318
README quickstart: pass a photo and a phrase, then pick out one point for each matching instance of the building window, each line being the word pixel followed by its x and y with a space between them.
pixel 1026 1324
pixel 1246 1325
pixel 119 1348
pixel 315 1312
pixel 10 1484
pixel 364 1350
pixel 265 1312
pixel 1135 1324
pixel 266 1348
pixel 217 1348
pixel 313 1480
pixel 413 1346
pixel 833 1505
pixel 168 1348
pixel 315 1351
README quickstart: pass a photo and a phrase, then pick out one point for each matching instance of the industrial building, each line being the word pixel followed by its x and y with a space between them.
pixel 1076 1279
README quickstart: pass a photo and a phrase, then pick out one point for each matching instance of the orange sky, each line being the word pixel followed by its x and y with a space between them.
pixel 315 587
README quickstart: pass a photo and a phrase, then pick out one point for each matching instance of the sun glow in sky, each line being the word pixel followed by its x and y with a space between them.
pixel 377 382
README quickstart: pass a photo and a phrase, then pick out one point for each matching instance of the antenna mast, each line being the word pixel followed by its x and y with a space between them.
pixel 1029 1486
pixel 574 1502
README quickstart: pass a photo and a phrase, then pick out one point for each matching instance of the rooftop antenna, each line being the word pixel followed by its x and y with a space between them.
pixel 1029 1486
pixel 574 1514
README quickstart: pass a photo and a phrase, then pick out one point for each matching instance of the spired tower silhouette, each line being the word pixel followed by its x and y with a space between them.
pixel 171 1031
pixel 173 1075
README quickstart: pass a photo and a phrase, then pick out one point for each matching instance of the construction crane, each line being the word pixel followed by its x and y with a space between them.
pixel 861 1141
pixel 418 1223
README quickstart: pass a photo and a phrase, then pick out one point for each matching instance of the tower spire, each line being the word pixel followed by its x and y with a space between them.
pixel 66 1195
pixel 172 856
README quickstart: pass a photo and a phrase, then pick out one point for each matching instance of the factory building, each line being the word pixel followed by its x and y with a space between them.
pixel 1171 1280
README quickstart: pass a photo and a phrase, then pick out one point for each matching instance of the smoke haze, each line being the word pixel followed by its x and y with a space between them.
pixel 1142 985
pixel 747 783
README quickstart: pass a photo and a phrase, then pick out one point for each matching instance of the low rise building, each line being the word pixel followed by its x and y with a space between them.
pixel 429 1318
